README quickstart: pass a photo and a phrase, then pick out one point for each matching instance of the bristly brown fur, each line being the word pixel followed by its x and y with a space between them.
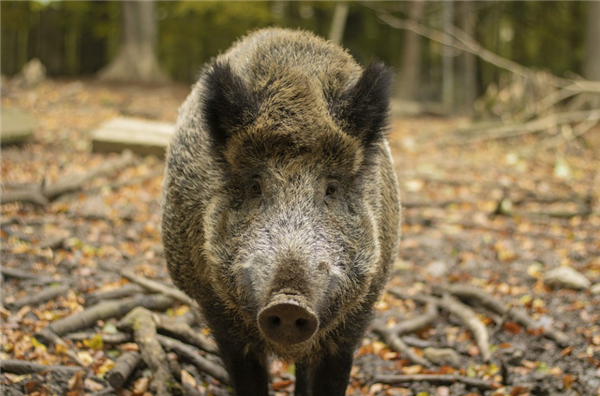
pixel 279 181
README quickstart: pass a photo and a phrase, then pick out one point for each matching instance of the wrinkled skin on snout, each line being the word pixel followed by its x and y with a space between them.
pixel 281 212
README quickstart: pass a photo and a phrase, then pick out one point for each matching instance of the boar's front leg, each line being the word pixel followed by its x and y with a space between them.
pixel 247 372
pixel 328 378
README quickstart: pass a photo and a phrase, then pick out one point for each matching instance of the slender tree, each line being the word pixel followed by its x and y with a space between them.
pixel 410 69
pixel 136 59
pixel 591 66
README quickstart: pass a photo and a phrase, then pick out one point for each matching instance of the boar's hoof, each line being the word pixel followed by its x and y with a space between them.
pixel 287 322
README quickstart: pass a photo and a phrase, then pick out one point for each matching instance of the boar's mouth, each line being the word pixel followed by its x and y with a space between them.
pixel 287 321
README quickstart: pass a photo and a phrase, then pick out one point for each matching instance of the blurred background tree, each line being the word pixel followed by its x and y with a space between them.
pixel 81 38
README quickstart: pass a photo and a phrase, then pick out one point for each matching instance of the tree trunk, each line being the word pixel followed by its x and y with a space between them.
pixel 136 60
pixel 410 69
pixel 467 73
pixel 448 59
pixel 336 34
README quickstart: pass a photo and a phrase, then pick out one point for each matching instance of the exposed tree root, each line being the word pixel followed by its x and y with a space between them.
pixel 470 294
pixel 181 331
pixel 140 322
pixel 463 312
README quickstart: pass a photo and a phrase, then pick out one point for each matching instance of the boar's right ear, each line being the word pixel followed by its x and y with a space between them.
pixel 229 105
pixel 363 109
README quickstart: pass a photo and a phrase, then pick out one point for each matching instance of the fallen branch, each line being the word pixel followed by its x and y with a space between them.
pixel 436 379
pixel 41 297
pixel 192 355
pixel 140 322
pixel 23 367
pixel 125 365
pixel 106 310
pixel 126 290
pixel 157 287
pixel 42 194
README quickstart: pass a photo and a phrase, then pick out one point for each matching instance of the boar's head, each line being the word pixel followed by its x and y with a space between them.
pixel 291 231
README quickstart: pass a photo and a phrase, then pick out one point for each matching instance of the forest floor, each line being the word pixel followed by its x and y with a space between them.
pixel 484 225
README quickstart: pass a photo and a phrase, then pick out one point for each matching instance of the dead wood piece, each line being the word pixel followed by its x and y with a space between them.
pixel 463 312
pixel 42 194
pixel 192 355
pixel 181 331
pixel 438 204
pixel 127 290
pixel 142 324
pixel 518 315
pixel 23 367
pixel 537 125
pixel 190 390
pixel 27 195
pixel 17 273
pixel 435 378
pixel 112 339
pixel 106 310
pixel 41 297
pixel 157 287
pixel 124 366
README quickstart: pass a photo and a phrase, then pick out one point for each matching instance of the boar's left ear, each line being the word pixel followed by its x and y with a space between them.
pixel 229 105
pixel 363 109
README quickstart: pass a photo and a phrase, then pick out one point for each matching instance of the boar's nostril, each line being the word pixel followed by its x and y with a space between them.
pixel 287 322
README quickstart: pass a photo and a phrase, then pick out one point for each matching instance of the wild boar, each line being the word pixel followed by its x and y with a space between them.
pixel 281 211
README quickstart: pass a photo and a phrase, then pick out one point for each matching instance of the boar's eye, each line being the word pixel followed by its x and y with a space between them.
pixel 332 190
pixel 255 189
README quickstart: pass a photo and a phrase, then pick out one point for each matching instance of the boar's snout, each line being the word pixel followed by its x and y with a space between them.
pixel 287 321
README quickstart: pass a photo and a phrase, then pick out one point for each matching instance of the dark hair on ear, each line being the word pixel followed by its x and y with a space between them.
pixel 363 110
pixel 228 104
